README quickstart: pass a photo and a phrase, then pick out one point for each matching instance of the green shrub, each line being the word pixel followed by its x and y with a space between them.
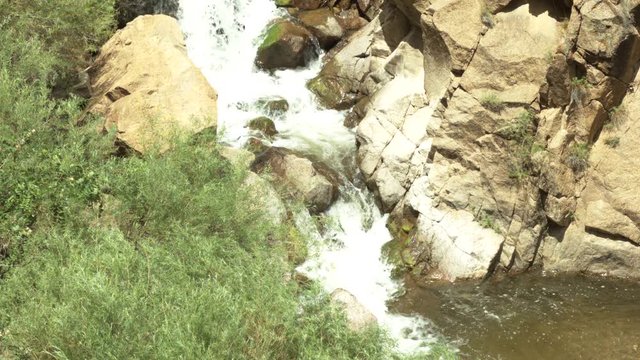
pixel 491 102
pixel 578 158
pixel 520 131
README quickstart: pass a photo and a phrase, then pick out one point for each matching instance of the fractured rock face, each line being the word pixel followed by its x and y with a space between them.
pixel 507 66
pixel 605 236
pixel 358 69
pixel 608 38
pixel 161 93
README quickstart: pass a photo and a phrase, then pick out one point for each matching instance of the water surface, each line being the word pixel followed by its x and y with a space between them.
pixel 532 316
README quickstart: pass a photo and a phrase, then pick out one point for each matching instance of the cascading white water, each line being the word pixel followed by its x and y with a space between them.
pixel 222 40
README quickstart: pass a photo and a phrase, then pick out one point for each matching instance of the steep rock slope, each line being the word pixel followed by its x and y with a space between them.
pixel 507 139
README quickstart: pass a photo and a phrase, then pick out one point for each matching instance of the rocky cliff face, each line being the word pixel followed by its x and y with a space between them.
pixel 499 134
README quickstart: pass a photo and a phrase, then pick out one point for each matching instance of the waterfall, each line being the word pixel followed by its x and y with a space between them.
pixel 222 37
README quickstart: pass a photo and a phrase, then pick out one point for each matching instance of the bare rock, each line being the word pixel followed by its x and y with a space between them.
pixel 160 95
pixel 358 317
pixel 324 25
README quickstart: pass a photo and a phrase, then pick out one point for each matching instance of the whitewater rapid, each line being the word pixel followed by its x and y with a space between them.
pixel 222 37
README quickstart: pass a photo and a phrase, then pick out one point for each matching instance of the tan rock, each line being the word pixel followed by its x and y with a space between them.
pixel 313 183
pixel 358 317
pixel 324 25
pixel 505 65
pixel 608 39
pixel 605 236
pixel 145 85
pixel 358 68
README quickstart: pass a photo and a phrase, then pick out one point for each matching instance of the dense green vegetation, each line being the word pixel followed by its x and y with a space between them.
pixel 152 257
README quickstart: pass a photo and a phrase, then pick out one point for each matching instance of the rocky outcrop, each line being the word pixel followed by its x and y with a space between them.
pixel 286 45
pixel 311 182
pixel 604 234
pixel 509 153
pixel 161 93
pixel 358 317
pixel 359 68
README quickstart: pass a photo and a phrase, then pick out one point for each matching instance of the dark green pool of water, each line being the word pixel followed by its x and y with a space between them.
pixel 532 316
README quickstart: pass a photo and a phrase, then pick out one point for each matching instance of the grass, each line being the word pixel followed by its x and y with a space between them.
pixel 612 142
pixel 491 102
pixel 520 132
pixel 578 157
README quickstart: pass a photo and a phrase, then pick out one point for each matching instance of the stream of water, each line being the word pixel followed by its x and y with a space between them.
pixel 527 317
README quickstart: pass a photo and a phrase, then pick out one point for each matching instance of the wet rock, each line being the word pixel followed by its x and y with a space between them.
pixel 312 182
pixel 358 317
pixel 323 25
pixel 284 3
pixel 264 125
pixel 285 46
pixel 256 146
pixel 275 106
pixel 161 93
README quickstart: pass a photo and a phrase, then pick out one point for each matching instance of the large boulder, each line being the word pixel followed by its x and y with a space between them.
pixel 358 317
pixel 450 41
pixel 145 86
pixel 324 25
pixel 286 45
pixel 311 182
